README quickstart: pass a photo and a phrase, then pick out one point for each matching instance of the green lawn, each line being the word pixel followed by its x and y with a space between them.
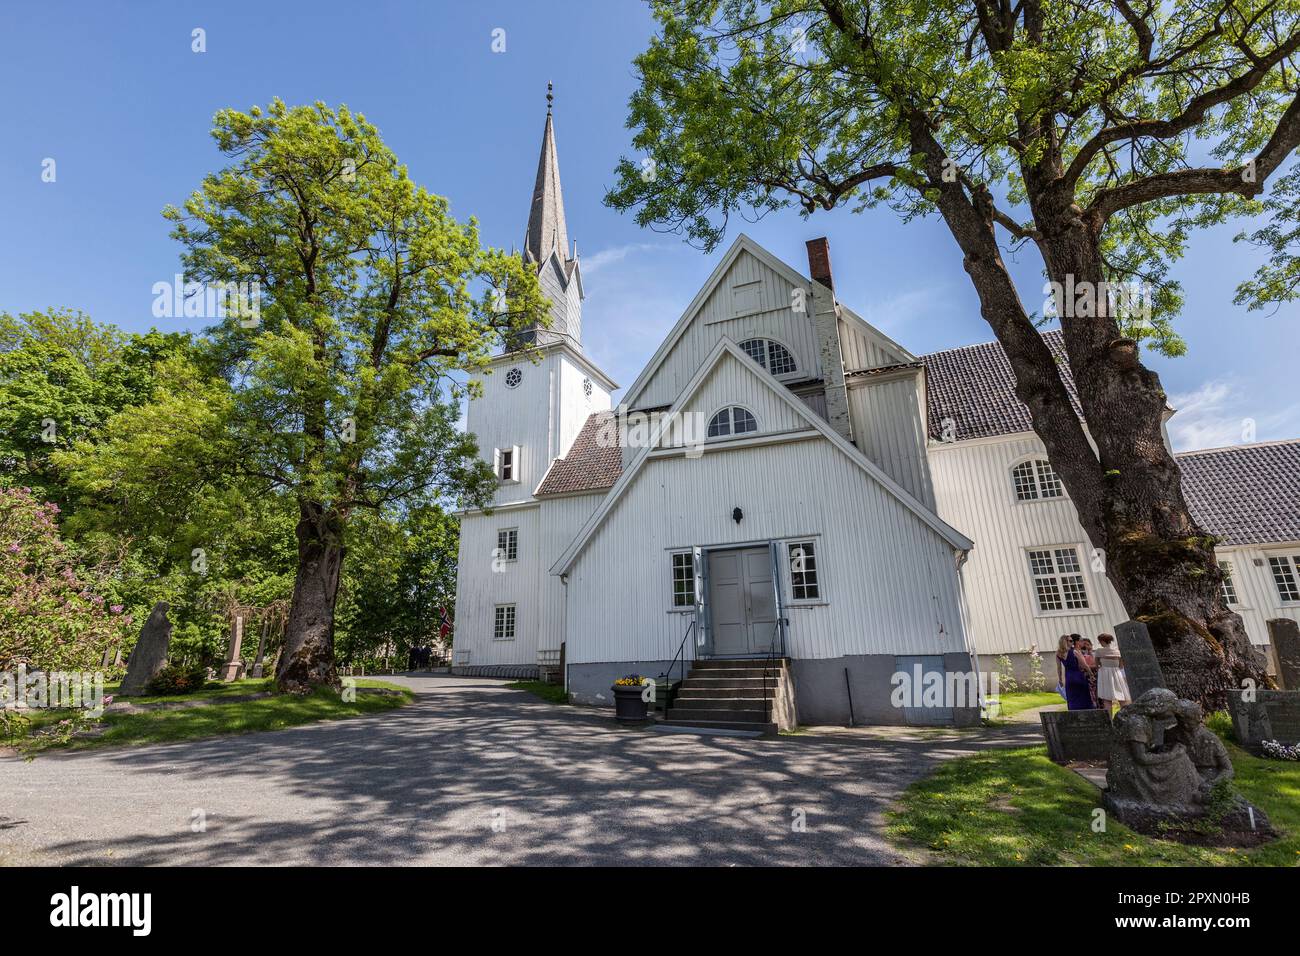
pixel 1011 704
pixel 1017 808
pixel 554 693
pixel 235 717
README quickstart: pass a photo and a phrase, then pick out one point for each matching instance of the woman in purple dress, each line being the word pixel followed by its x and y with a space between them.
pixel 1078 693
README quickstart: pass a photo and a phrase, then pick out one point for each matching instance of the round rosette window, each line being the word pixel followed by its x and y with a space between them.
pixel 514 377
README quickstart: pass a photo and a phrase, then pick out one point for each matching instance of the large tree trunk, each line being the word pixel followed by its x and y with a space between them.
pixel 307 660
pixel 1159 560
pixel 1128 492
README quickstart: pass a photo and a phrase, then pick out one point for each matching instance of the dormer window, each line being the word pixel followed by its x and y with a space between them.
pixel 1034 480
pixel 773 356
pixel 732 420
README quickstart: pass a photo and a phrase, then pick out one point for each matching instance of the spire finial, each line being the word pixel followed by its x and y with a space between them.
pixel 550 97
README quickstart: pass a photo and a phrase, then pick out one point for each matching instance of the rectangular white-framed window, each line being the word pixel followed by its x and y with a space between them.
pixel 503 624
pixel 1286 576
pixel 682 564
pixel 506 463
pixel 507 544
pixel 1228 584
pixel 1058 580
pixel 805 571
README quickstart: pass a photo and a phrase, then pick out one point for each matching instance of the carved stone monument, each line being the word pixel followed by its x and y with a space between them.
pixel 150 653
pixel 1284 635
pixel 1170 776
pixel 1141 667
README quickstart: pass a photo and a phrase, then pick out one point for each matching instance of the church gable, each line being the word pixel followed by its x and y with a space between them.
pixel 732 383
pixel 751 295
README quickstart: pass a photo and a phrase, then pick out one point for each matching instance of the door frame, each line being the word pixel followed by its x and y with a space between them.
pixel 704 633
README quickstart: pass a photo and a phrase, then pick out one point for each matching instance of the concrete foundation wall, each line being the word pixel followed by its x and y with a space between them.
pixel 591 683
pixel 505 671
pixel 822 696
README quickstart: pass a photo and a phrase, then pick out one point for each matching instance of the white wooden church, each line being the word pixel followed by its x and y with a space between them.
pixel 790 510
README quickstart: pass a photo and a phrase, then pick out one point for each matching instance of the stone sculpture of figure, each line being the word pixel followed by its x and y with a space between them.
pixel 1145 767
pixel 1208 754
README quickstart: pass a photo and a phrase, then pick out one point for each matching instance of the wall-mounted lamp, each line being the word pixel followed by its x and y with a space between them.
pixel 736 515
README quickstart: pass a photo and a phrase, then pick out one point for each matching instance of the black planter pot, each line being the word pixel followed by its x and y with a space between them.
pixel 628 705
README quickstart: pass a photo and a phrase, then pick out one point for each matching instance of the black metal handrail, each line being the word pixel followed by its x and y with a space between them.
pixel 668 676
pixel 767 663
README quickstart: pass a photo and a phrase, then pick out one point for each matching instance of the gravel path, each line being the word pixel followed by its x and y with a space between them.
pixel 471 773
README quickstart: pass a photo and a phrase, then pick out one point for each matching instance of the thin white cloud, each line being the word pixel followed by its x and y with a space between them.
pixel 1220 412
pixel 893 313
pixel 615 254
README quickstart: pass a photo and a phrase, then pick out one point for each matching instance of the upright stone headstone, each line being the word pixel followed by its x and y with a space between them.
pixel 1141 667
pixel 259 661
pixel 234 667
pixel 1284 635
pixel 150 653
pixel 1262 715
pixel 1076 734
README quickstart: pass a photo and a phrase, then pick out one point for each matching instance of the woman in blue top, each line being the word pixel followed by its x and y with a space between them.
pixel 1072 674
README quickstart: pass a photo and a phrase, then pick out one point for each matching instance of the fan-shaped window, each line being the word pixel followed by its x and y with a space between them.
pixel 773 356
pixel 733 420
pixel 1035 479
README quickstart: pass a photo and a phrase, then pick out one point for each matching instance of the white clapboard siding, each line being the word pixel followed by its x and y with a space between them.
pixel 480 586
pixel 560 520
pixel 864 346
pixel 889 428
pixel 751 300
pixel 1259 601
pixel 890 580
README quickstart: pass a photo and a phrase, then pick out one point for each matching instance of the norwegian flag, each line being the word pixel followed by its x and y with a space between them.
pixel 444 627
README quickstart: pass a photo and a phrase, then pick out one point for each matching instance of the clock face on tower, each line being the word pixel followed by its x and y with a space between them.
pixel 514 377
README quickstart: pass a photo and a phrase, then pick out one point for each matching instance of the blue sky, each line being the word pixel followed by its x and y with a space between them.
pixel 113 93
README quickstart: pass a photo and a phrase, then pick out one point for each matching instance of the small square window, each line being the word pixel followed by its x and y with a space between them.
pixel 683 579
pixel 503 628
pixel 805 582
pixel 508 544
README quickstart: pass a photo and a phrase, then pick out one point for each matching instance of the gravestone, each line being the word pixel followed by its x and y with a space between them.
pixel 1272 715
pixel 150 653
pixel 1076 734
pixel 261 654
pixel 234 667
pixel 1284 635
pixel 1141 667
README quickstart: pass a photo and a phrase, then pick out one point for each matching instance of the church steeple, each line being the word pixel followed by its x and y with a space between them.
pixel 547 231
pixel 546 244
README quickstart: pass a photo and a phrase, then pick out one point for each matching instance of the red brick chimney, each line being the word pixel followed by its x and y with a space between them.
pixel 819 261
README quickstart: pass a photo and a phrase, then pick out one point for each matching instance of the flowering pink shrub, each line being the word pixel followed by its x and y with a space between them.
pixel 50 617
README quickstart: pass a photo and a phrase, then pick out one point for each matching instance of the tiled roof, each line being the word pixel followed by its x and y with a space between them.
pixel 589 465
pixel 975 387
pixel 1245 494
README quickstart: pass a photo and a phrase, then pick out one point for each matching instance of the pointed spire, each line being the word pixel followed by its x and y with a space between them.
pixel 547 230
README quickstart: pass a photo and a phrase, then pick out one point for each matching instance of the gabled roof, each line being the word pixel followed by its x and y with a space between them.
pixel 1245 494
pixel 724 348
pixel 742 244
pixel 589 465
pixel 975 388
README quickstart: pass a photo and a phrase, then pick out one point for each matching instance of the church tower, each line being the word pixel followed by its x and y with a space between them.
pixel 541 390
pixel 546 247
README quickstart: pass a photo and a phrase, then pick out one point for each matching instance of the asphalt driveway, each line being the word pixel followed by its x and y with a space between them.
pixel 470 773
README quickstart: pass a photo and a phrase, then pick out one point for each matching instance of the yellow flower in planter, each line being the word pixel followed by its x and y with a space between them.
pixel 631 680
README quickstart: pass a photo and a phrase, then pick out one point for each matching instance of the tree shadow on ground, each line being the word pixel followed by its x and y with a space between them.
pixel 473 773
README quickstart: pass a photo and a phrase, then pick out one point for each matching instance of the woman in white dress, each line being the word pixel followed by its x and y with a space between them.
pixel 1112 688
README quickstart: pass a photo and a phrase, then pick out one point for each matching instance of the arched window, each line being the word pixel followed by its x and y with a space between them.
pixel 1034 480
pixel 773 356
pixel 732 420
